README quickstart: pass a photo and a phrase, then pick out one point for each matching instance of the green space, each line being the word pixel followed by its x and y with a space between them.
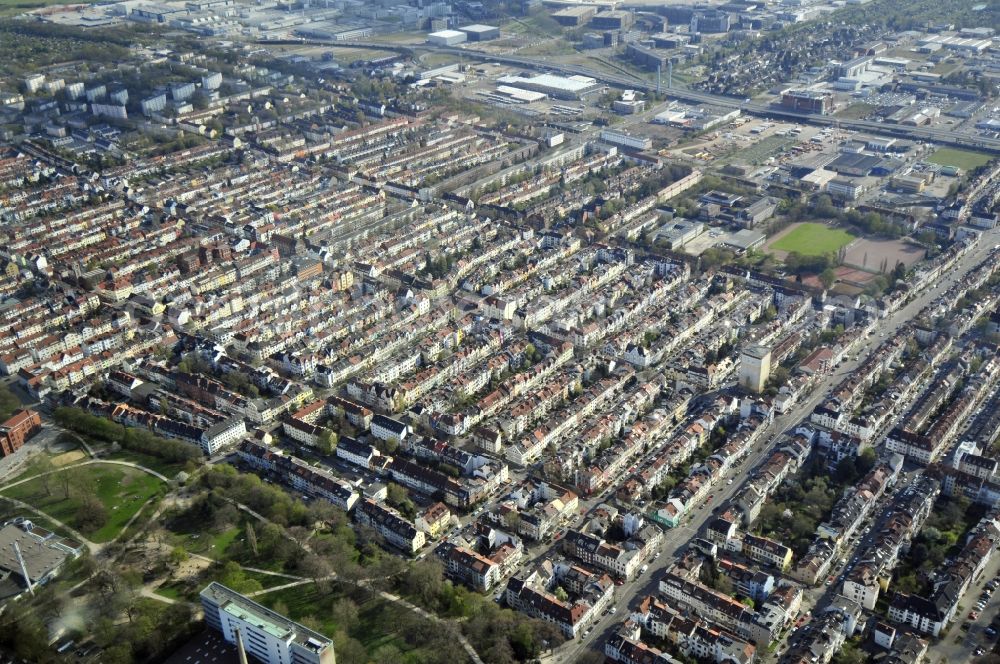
pixel 8 400
pixel 164 467
pixel 964 159
pixel 856 111
pixel 97 500
pixel 378 626
pixel 14 7
pixel 759 152
pixel 942 535
pixel 794 511
pixel 187 589
pixel 812 239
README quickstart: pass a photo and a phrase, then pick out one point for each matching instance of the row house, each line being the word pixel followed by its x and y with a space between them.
pixel 692 636
pixel 717 607
pixel 527 595
pixel 390 524
pixel 299 475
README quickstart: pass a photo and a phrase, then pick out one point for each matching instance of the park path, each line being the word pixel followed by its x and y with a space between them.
pixel 88 462
pixel 366 584
pixel 93 547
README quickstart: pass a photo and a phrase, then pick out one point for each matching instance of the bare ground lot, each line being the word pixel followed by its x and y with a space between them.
pixel 868 255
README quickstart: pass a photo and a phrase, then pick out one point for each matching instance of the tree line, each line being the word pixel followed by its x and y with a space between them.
pixel 130 438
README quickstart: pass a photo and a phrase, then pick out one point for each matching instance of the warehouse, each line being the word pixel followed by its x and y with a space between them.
pixel 572 17
pixel 559 87
pixel 446 38
pixel 479 33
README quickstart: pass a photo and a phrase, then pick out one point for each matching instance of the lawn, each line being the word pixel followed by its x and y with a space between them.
pixel 964 159
pixel 162 466
pixel 122 491
pixel 812 239
pixel 377 626
pixel 187 591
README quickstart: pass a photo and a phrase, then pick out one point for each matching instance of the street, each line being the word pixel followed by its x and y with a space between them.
pixel 677 538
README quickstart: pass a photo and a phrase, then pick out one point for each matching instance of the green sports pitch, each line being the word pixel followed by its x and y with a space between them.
pixel 964 159
pixel 812 240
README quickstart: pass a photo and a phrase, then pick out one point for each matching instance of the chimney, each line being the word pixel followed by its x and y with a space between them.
pixel 241 651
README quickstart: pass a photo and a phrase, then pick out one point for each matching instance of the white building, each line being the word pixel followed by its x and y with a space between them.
pixel 268 636
pixel 447 37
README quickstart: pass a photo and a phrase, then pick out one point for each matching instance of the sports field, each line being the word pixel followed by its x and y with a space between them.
pixel 964 159
pixel 811 239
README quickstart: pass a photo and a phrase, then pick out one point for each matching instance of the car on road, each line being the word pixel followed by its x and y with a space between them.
pixel 990 631
pixel 614 610
pixel 643 569
pixel 973 615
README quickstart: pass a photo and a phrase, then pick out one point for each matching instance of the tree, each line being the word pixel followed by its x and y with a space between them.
pixel 400 499
pixel 387 446
pixel 326 441
pixel 423 580
pixel 344 613
pixel 178 555
pixel 252 539
pixel 561 594
pixel 828 277
pixel 235 578
pixel 92 514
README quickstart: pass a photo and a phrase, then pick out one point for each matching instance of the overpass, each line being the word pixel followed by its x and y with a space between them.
pixel 940 136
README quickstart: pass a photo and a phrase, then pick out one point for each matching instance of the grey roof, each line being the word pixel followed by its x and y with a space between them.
pixel 43 552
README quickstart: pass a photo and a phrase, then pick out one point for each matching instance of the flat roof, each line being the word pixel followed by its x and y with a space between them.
pixel 478 27
pixel 446 33
pixel 574 11
pixel 40 557
pixel 568 83
pixel 275 624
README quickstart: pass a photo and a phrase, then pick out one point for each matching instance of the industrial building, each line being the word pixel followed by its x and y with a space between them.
pixel 260 632
pixel 572 17
pixel 647 58
pixel 447 38
pixel 613 20
pixel 479 32
pixel 808 101
pixel 711 22
pixel 559 87
pixel 854 68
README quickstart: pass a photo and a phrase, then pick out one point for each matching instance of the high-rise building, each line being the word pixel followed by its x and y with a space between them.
pixel 267 636
pixel 755 367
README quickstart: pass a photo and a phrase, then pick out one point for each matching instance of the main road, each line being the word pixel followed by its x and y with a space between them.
pixel 677 538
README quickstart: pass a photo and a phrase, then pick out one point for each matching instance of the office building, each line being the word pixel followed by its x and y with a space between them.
pixel 268 636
